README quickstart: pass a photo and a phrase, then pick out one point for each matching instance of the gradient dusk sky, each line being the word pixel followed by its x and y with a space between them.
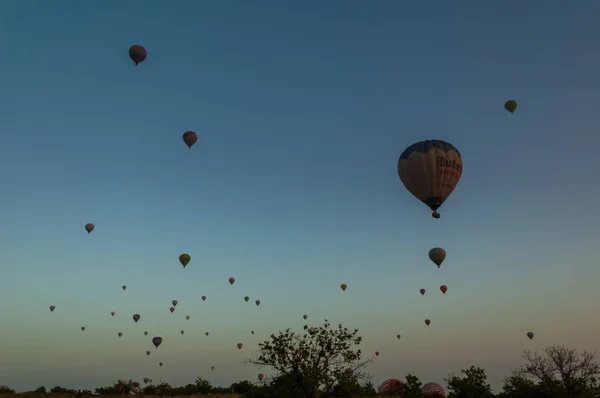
pixel 302 109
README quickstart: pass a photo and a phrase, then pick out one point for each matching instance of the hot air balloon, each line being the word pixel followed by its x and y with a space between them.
pixel 137 54
pixel 530 335
pixel 246 298
pixel 344 286
pixel 376 353
pixel 172 309
pixel 190 138
pixel 398 336
pixel 124 287
pixel 304 316
pixel 146 380
pixel 136 318
pixel 187 317
pixel 444 288
pixel 160 364
pixel 185 259
pixel 261 377
pixel 252 332
pixel 231 281
pixel 82 328
pixel 437 255
pixel 427 322
pixel 174 302
pixel 257 302
pixel 239 346
pixel 203 298
pixel 510 105
pixel 147 352
pixel 212 368
pixel 206 333
pixel 433 389
pixel 119 334
pixel 112 313
pixel 52 308
pixel 89 227
pixel 146 333
pixel 422 292
pixel 182 332
pixel 157 341
pixel 430 171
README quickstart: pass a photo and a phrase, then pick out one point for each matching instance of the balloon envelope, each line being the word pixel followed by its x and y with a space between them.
pixel 437 255
pixel 430 171
pixel 190 138
pixel 89 227
pixel 530 335
pixel 444 289
pixel 344 286
pixel 185 259
pixel 422 292
pixel 231 281
pixel 137 54
pixel 510 105
pixel 157 341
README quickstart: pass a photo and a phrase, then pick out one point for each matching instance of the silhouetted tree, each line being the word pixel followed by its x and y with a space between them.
pixel 472 385
pixel 6 390
pixel 561 371
pixel 315 361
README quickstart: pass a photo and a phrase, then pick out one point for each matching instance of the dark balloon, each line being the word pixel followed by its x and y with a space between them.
pixel 137 54
pixel 172 309
pixel 136 317
pixel 190 138
pixel 203 298
pixel 89 227
pixel 52 308
pixel 157 341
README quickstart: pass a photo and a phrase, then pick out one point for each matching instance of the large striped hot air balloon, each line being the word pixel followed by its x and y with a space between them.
pixel 430 171
pixel 390 385
pixel 433 388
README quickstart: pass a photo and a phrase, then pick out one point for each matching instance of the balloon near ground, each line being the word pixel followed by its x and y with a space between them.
pixel 430 170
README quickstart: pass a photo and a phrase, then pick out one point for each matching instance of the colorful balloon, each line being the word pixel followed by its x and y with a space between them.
pixel 344 286
pixel 422 292
pixel 185 259
pixel 433 389
pixel 157 341
pixel 437 255
pixel 530 335
pixel 261 377
pixel 430 171
pixel 137 54
pixel 510 105
pixel 172 309
pixel 427 322
pixel 239 346
pixel 136 318
pixel 52 308
pixel 190 138
pixel 231 281
pixel 444 288
pixel 89 227
pixel 376 353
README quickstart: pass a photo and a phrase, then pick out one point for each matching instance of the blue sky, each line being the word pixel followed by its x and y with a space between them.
pixel 302 110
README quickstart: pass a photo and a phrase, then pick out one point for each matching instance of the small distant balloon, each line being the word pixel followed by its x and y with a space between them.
pixel 203 298
pixel 261 377
pixel 187 317
pixel 182 332
pixel 172 309
pixel 185 259
pixel 239 346
pixel 157 341
pixel 510 105
pixel 119 334
pixel 444 289
pixel 160 364
pixel 112 313
pixel 147 352
pixel 304 316
pixel 427 322
pixel 89 227
pixel 82 328
pixel 206 334
pixel 437 255
pixel 376 353
pixel 231 281
pixel 190 138
pixel 137 54
pixel 398 336
pixel 257 302
pixel 422 292
pixel 252 332
pixel 146 333
pixel 136 318
pixel 212 368
pixel 530 335
pixel 174 302
pixel 246 298
pixel 124 287
pixel 52 308
pixel 344 286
